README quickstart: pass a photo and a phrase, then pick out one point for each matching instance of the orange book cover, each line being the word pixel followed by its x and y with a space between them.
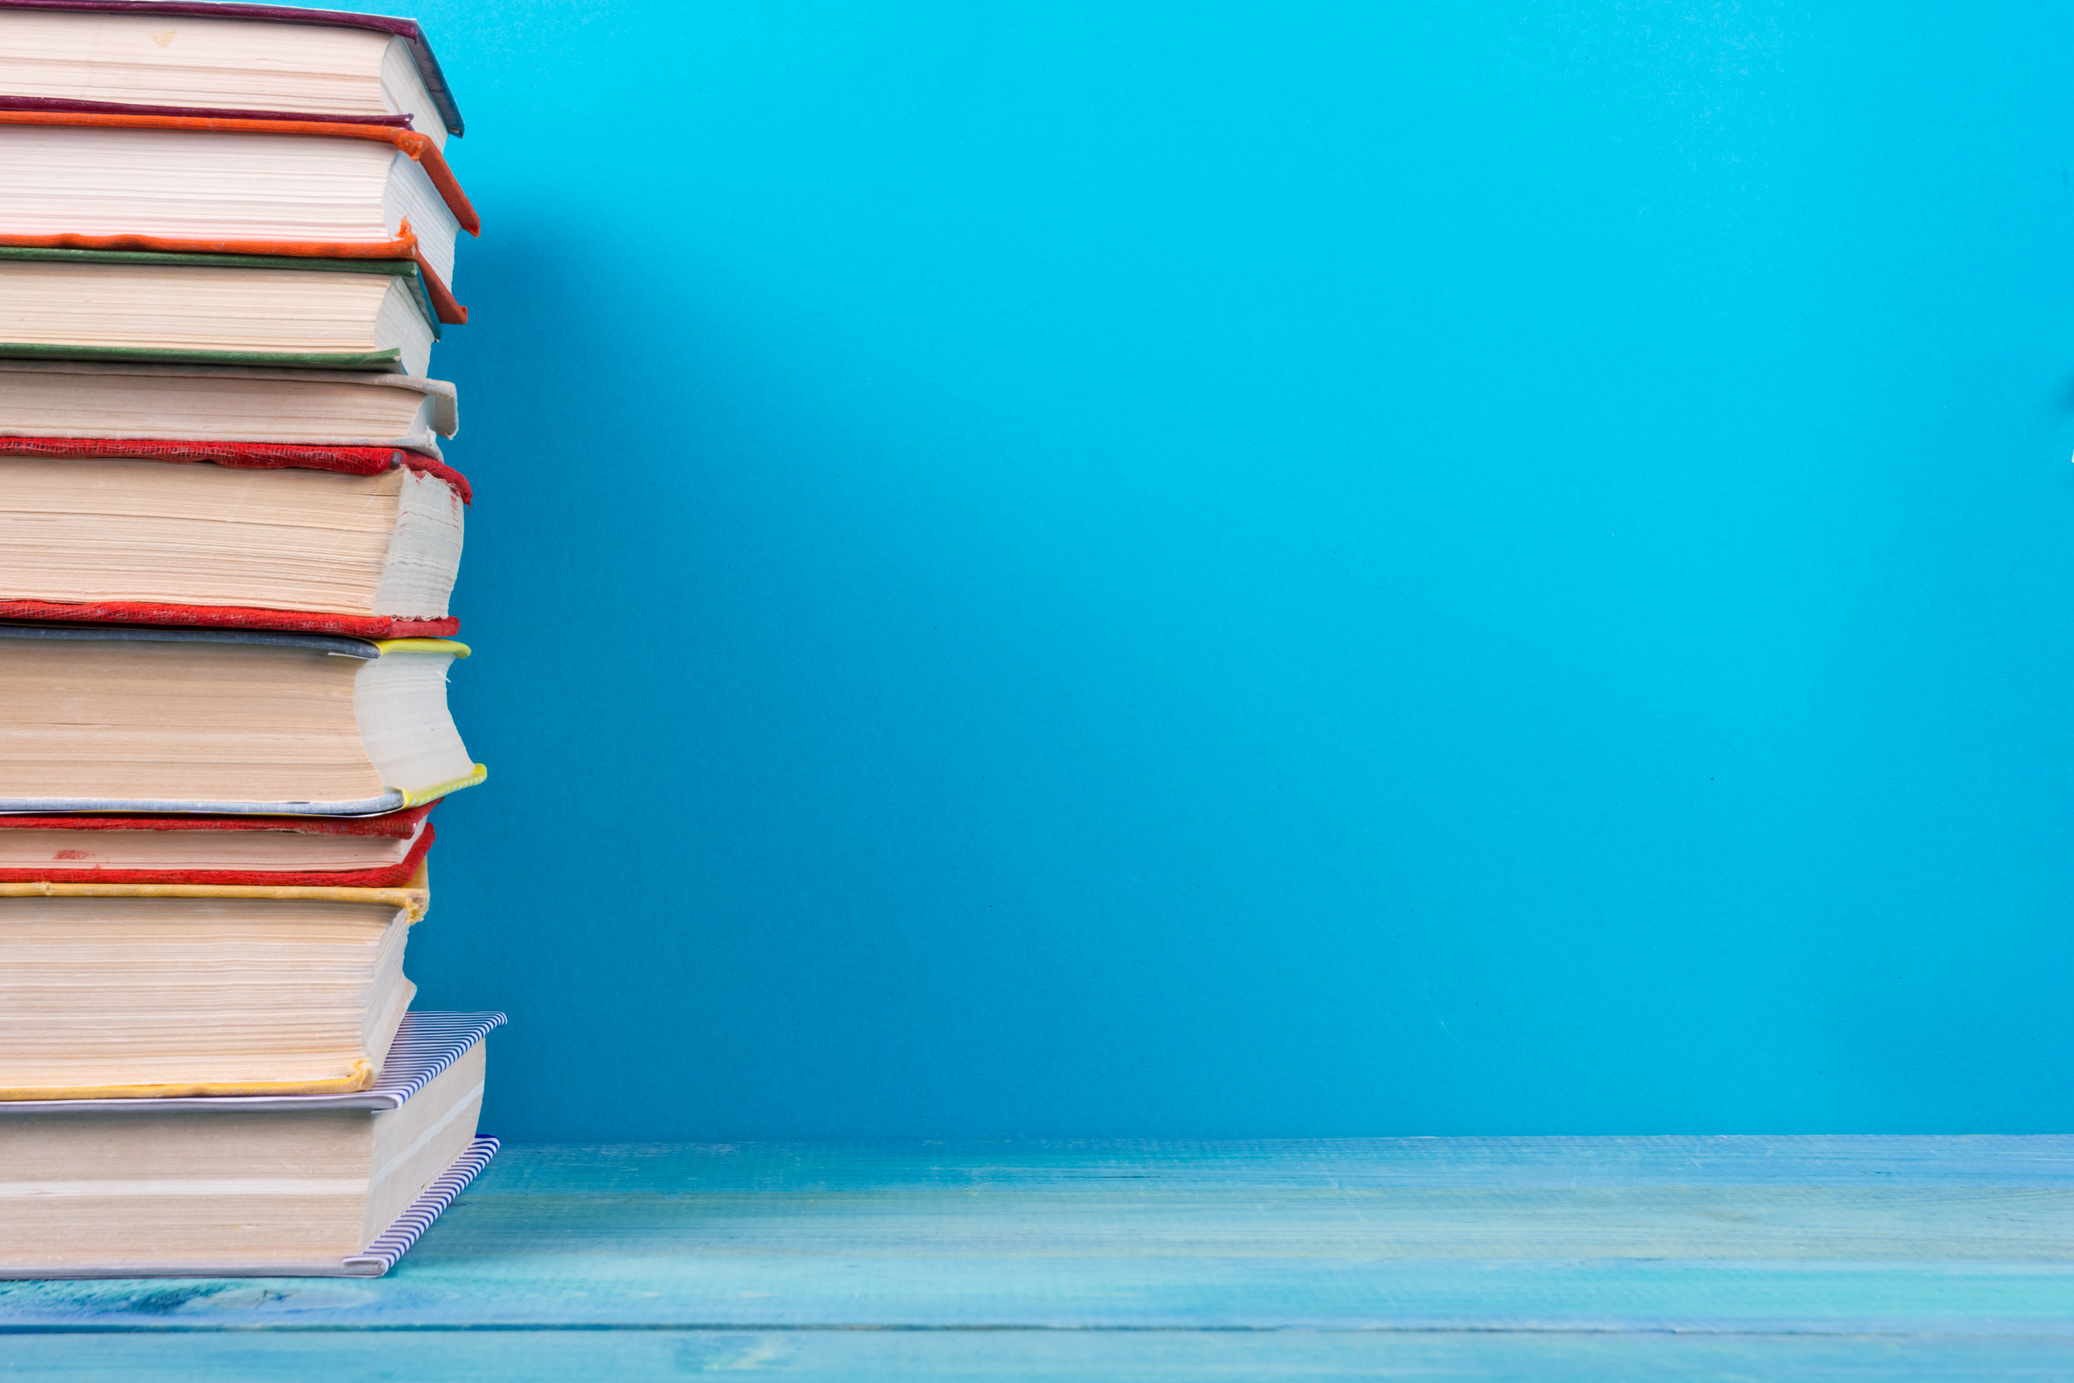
pixel 418 147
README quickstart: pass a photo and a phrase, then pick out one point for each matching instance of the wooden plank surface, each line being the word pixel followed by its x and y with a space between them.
pixel 1038 1356
pixel 1555 1258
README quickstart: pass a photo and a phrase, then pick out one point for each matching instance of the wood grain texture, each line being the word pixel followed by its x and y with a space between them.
pixel 1546 1258
pixel 1033 1356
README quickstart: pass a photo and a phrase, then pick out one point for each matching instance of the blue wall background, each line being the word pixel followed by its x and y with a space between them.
pixel 1265 568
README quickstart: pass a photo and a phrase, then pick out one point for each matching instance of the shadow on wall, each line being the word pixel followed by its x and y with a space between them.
pixel 759 688
pixel 1159 570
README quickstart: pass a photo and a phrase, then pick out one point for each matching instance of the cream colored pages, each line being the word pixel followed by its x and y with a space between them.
pixel 101 529
pixel 88 180
pixel 404 725
pixel 189 996
pixel 111 1190
pixel 43 398
pixel 179 721
pixel 204 309
pixel 211 186
pixel 215 64
pixel 128 1187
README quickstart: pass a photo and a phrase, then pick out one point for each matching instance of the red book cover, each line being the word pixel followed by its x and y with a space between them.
pixel 247 455
pixel 397 825
pixel 257 456
pixel 229 617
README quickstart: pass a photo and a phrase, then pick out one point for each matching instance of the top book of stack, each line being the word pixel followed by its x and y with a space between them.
pixel 164 57
pixel 185 185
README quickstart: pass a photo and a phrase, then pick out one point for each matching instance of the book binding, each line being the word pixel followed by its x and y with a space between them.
pixel 395 1241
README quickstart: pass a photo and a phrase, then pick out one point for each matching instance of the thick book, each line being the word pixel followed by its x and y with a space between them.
pixel 252 187
pixel 162 307
pixel 317 412
pixel 175 539
pixel 311 851
pixel 253 1186
pixel 116 991
pixel 223 721
pixel 230 60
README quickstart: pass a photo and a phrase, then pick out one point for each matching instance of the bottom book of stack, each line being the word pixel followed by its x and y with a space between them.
pixel 336 1185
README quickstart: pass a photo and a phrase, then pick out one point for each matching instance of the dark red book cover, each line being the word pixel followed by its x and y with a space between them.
pixel 228 617
pixel 257 456
pixel 252 456
pixel 396 825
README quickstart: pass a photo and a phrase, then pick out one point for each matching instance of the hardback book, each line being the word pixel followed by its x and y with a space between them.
pixel 116 538
pixel 112 991
pixel 255 187
pixel 316 409
pixel 382 851
pixel 248 1186
pixel 230 60
pixel 224 721
pixel 152 306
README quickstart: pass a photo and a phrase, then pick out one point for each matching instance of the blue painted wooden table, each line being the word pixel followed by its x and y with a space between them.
pixel 1686 1258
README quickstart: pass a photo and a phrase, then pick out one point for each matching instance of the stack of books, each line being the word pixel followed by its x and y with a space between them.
pixel 227 541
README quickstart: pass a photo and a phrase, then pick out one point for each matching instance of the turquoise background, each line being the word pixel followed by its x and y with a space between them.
pixel 1264 568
